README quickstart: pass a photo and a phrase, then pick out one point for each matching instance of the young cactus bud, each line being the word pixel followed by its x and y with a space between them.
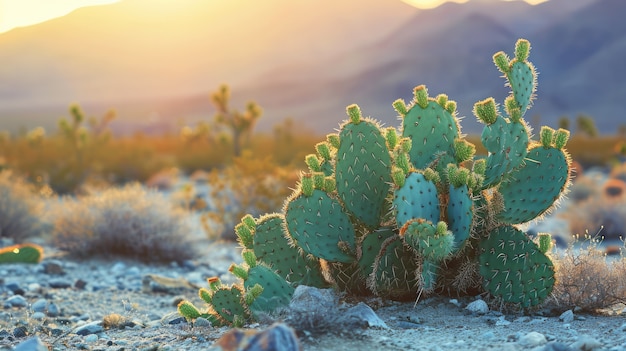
pixel 432 175
pixel 399 176
pixel 187 310
pixel 205 295
pixel 546 136
pixel 355 113
pixel 545 242
pixel 402 162
pixel 323 149
pixel 313 163
pixel 421 95
pixel 458 176
pixel 442 100
pixel 330 184
pixel 318 180
pixel 249 222
pixel 392 138
pixel 333 140
pixel 480 167
pixel 463 150
pixel 244 234
pixel 249 258
pixel 214 283
pixel 502 62
pixel 400 107
pixel 560 138
pixel 451 107
pixel 238 271
pixel 307 185
pixel 512 109
pixel 522 49
pixel 486 111
pixel 253 293
pixel 406 144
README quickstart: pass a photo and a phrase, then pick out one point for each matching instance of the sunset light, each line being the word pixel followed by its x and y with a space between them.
pixel 14 13
pixel 429 4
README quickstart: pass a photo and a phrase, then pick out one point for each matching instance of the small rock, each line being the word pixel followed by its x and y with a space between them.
pixel 407 325
pixel 478 307
pixel 32 344
pixel 80 284
pixel 202 322
pixel 53 310
pixel 20 332
pixel 455 302
pixel 586 343
pixel 16 301
pixel 53 268
pixel 94 327
pixel 39 305
pixel 59 284
pixel 363 316
pixel 502 321
pixel 556 346
pixel 15 288
pixel 91 338
pixel 278 337
pixel 567 316
pixel 532 339
pixel 118 268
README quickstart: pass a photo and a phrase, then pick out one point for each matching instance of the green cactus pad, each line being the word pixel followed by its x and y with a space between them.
pixel 507 143
pixel 432 129
pixel 523 82
pixel 533 189
pixel 429 275
pixel 24 253
pixel 513 267
pixel 319 226
pixel 460 213
pixel 228 303
pixel 272 248
pixel 276 291
pixel 394 272
pixel 416 198
pixel 433 243
pixel 363 170
pixel 370 248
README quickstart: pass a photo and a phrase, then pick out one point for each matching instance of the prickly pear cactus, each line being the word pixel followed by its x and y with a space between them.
pixel 24 253
pixel 401 213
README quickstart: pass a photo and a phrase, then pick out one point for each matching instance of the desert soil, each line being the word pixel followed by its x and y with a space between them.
pixel 70 304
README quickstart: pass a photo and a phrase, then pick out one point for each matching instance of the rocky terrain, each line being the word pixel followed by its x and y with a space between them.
pixel 65 304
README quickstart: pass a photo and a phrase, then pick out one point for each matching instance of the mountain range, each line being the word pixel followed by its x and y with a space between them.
pixel 156 61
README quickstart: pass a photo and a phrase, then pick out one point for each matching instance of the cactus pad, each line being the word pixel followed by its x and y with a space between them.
pixel 513 267
pixel 24 253
pixel 276 291
pixel 417 198
pixel 363 170
pixel 394 272
pixel 319 226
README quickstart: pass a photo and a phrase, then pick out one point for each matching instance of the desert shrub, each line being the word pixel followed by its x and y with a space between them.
pixel 587 278
pixel 250 185
pixel 129 221
pixel 20 208
pixel 599 215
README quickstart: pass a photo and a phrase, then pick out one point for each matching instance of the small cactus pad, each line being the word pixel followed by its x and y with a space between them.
pixel 394 273
pixel 433 242
pixel 513 267
pixel 228 303
pixel 460 213
pixel 24 253
pixel 417 198
pixel 319 226
pixel 533 189
pixel 432 127
pixel 363 169
pixel 276 291
pixel 272 248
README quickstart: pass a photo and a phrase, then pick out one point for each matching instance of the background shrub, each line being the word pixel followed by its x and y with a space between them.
pixel 20 209
pixel 130 222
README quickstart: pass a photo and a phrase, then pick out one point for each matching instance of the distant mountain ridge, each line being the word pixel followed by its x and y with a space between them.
pixel 309 62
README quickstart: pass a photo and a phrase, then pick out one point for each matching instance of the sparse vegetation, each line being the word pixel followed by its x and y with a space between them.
pixel 130 222
pixel 20 209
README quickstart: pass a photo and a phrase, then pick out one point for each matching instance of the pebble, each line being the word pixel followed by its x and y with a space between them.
pixel 478 307
pixel 32 344
pixel 39 305
pixel 94 327
pixel 16 301
pixel 567 316
pixel 586 343
pixel 532 339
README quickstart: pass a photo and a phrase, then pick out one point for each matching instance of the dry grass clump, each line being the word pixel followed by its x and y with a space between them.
pixel 130 222
pixel 586 278
pixel 20 209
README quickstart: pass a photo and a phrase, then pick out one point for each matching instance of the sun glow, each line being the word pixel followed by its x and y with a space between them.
pixel 21 13
pixel 429 4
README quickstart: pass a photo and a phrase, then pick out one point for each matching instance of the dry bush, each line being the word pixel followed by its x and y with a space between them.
pixel 250 186
pixel 130 222
pixel 588 279
pixel 20 209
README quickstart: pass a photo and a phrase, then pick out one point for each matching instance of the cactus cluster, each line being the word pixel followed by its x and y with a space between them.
pixel 402 212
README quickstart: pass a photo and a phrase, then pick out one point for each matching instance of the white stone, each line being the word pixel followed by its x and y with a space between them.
pixel 478 307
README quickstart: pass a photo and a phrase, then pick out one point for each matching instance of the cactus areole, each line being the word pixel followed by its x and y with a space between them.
pixel 407 212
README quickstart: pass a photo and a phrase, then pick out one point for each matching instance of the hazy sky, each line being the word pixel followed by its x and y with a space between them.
pixel 19 13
